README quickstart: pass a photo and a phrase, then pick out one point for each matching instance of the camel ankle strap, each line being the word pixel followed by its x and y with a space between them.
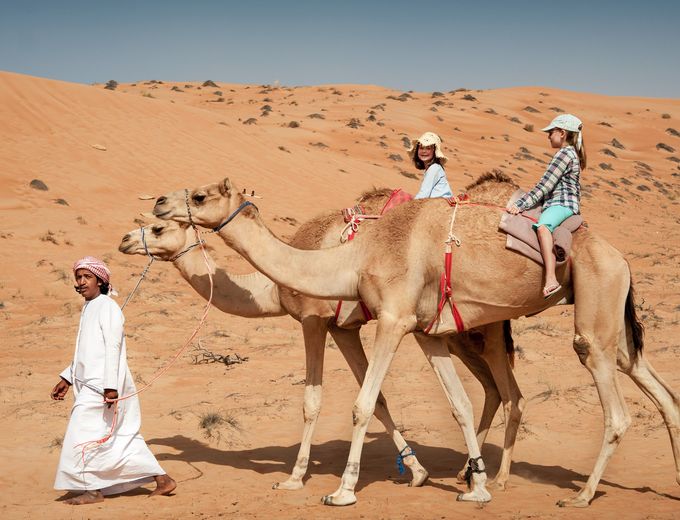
pixel 402 455
pixel 473 467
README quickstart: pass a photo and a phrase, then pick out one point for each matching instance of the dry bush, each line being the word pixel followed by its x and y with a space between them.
pixel 316 116
pixel 528 127
pixel 37 184
pixel 673 132
pixel 250 121
pixel 531 110
pixel 665 147
pixel 616 144
pixel 112 84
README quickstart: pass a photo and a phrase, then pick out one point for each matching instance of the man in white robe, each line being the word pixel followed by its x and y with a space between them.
pixel 103 452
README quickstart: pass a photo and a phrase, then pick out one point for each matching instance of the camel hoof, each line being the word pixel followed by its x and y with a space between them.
pixel 481 496
pixel 345 500
pixel 289 485
pixel 573 502
pixel 419 478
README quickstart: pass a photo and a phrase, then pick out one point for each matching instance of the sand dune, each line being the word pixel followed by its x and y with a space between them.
pixel 305 150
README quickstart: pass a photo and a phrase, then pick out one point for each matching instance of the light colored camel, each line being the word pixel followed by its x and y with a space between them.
pixel 395 266
pixel 255 295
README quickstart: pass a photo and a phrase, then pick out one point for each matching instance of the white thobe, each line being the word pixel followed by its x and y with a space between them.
pixel 124 461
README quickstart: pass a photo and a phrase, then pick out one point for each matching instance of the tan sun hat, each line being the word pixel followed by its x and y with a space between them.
pixel 429 139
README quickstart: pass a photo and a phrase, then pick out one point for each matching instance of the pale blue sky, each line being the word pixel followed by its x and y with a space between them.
pixel 618 48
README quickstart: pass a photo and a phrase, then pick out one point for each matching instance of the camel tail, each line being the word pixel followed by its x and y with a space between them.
pixel 632 319
pixel 509 342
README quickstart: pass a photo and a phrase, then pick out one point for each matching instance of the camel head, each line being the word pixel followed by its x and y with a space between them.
pixel 208 206
pixel 164 240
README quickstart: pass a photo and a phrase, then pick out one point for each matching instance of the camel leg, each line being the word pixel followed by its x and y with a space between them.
pixel 314 332
pixel 616 418
pixel 496 358
pixel 492 398
pixel 437 353
pixel 601 291
pixel 658 391
pixel 388 336
pixel 349 343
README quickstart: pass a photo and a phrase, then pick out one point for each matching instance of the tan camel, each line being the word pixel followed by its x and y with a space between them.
pixel 395 266
pixel 254 295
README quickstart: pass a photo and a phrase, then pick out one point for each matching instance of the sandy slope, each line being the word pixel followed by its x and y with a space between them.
pixel 157 139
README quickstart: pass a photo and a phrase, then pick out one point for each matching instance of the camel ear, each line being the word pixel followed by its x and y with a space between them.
pixel 225 187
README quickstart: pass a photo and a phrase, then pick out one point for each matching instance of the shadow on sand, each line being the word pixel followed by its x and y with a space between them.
pixel 378 463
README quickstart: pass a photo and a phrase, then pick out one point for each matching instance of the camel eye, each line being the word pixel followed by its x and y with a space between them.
pixel 199 198
pixel 157 230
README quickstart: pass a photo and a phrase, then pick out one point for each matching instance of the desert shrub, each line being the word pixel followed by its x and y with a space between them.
pixel 112 84
pixel 616 144
pixel 37 184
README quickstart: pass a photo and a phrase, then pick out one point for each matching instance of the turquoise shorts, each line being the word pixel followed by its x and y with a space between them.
pixel 552 217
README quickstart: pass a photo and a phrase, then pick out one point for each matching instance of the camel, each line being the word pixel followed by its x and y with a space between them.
pixel 254 295
pixel 395 266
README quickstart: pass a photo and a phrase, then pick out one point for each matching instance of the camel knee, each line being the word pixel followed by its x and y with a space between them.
pixel 617 429
pixel 582 347
pixel 361 414
pixel 513 411
pixel 311 407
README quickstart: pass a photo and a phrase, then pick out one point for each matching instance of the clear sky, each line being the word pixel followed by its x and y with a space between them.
pixel 611 47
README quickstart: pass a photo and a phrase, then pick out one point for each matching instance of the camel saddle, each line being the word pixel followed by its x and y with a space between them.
pixel 523 239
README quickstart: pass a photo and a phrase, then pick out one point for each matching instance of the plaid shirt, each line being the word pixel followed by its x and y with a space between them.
pixel 559 185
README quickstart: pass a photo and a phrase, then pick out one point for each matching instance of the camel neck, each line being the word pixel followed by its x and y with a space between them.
pixel 324 273
pixel 250 295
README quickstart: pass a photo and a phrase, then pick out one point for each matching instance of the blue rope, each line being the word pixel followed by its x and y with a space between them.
pixel 233 215
pixel 401 457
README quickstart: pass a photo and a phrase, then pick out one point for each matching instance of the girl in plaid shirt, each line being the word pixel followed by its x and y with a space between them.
pixel 559 190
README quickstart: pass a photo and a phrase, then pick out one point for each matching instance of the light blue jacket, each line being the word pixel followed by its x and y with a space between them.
pixel 434 183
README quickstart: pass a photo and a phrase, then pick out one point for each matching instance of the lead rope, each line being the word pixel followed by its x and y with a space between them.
pixel 89 445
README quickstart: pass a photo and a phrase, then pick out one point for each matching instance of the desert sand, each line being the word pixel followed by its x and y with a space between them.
pixel 100 153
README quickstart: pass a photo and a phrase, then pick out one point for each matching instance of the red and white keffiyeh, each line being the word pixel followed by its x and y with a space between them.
pixel 95 266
